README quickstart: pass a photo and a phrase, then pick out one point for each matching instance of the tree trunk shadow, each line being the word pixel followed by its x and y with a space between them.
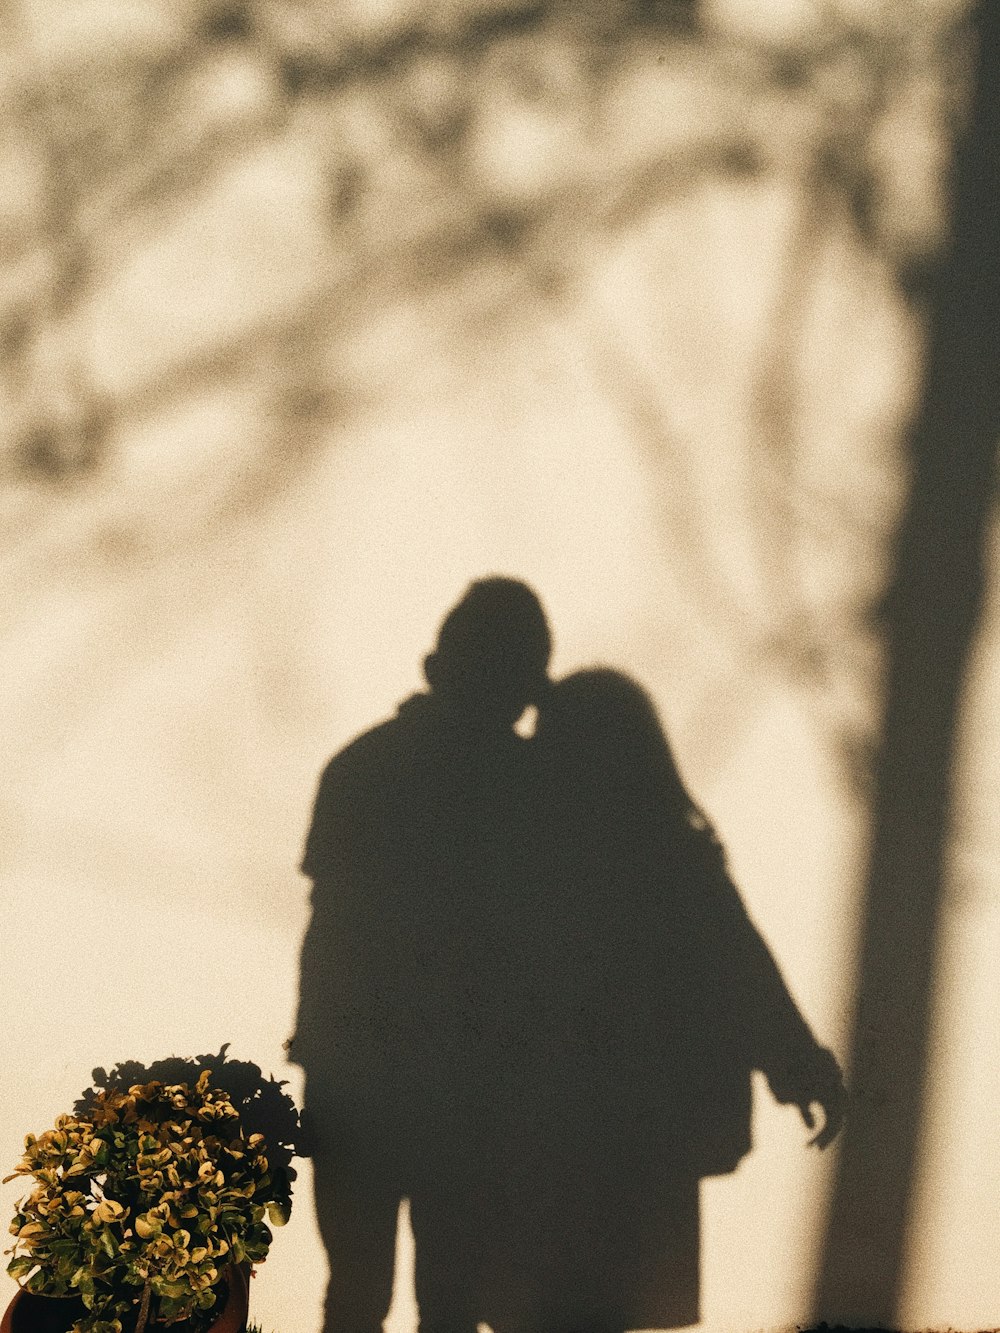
pixel 931 614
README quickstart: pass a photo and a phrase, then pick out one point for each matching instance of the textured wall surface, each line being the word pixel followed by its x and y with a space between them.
pixel 310 314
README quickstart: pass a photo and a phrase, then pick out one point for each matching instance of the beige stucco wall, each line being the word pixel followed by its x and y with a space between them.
pixel 674 406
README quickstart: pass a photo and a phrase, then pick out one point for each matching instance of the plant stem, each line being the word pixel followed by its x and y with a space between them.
pixel 143 1309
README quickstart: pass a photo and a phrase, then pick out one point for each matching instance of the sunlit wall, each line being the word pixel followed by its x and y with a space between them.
pixel 309 315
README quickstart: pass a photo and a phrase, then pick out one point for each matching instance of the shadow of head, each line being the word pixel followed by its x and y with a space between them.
pixel 492 652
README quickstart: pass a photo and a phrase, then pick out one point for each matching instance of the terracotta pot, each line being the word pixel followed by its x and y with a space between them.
pixel 49 1314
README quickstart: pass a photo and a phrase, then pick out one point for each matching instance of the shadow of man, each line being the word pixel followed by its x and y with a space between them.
pixel 413 853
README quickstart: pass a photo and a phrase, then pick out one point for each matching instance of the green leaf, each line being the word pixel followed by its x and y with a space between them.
pixel 171 1289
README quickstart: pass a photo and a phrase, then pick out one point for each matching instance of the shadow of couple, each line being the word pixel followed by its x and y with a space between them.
pixel 531 999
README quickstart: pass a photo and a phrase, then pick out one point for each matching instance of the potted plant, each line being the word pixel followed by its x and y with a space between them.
pixel 152 1201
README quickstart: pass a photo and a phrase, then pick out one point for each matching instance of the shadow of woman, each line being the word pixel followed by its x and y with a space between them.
pixel 652 998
